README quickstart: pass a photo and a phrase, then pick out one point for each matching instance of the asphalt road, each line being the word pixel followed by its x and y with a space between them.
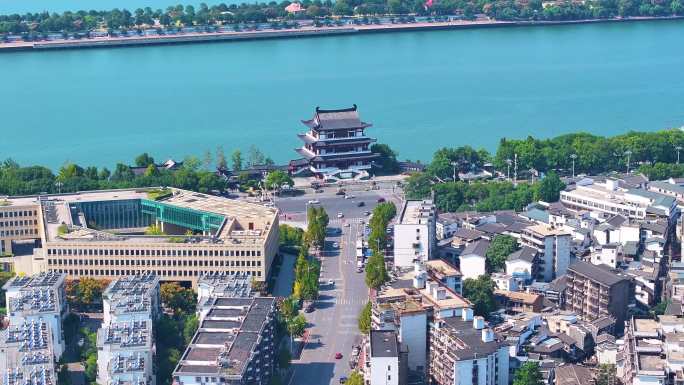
pixel 333 326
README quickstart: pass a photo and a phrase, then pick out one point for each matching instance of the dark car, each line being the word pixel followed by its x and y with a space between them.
pixel 360 204
pixel 343 380
pixel 380 200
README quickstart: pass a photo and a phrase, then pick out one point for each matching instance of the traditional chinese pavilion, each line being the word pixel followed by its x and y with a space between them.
pixel 336 145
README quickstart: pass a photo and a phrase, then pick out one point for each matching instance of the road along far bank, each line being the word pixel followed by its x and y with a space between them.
pixel 208 37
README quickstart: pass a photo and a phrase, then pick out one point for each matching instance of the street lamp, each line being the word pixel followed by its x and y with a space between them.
pixel 508 172
pixel 573 157
pixel 678 148
pixel 454 166
pixel 629 154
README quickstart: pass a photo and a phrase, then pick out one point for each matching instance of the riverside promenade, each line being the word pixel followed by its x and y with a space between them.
pixel 304 31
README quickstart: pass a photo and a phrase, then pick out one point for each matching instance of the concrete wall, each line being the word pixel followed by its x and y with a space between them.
pixel 413 334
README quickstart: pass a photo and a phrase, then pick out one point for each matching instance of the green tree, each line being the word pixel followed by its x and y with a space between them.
pixel 91 368
pixel 153 229
pixel 289 308
pixel 417 186
pixel 606 375
pixel 355 378
pixel 276 179
pixel 190 325
pixel 207 160
pixel 501 247
pixel 151 171
pixel 284 358
pixel 177 298
pixel 386 163
pixel 365 319
pixel 90 291
pixel 221 162
pixel 528 374
pixel 236 158
pixel 296 328
pixel 549 188
pixel 480 292
pixel 144 160
pixel 376 271
pixel 255 157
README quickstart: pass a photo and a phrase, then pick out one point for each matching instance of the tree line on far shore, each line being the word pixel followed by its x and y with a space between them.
pixel 85 21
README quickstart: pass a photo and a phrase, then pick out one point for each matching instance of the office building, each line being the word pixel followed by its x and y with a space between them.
pixel 40 298
pixel 101 234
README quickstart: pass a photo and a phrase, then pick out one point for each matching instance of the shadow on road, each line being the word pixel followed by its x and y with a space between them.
pixel 312 373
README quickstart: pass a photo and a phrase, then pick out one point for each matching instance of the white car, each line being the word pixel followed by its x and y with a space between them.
pixel 314 202
pixel 331 282
pixel 340 215
pixel 336 245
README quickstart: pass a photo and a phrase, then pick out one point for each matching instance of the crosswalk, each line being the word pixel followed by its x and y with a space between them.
pixel 339 221
pixel 348 301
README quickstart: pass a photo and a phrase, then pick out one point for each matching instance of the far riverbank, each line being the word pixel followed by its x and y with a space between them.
pixel 304 31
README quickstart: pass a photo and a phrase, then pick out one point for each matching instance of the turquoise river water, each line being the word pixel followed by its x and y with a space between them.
pixel 421 90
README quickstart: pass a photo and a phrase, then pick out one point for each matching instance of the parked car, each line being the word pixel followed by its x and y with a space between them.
pixel 360 204
pixel 343 380
pixel 331 283
pixel 335 245
pixel 338 356
pixel 340 192
pixel 380 200
pixel 314 202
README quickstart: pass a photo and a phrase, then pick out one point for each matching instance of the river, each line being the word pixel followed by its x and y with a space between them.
pixel 421 90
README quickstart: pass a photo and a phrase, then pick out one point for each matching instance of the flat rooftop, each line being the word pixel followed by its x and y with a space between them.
pixel 383 343
pixel 126 335
pixel 442 268
pixel 242 220
pixel 27 356
pixel 131 294
pixel 227 337
pixel 415 212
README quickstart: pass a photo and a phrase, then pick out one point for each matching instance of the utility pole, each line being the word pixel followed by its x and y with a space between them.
pixel 515 170
pixel 508 172
pixel 573 157
pixel 629 154
pixel 678 148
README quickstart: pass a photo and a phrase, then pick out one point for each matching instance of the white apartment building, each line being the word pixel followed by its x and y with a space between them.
pixel 610 197
pixel 388 359
pixel 39 298
pixel 132 298
pixel 415 232
pixel 223 285
pixel 553 246
pixel 26 356
pixel 463 350
pixel 473 259
pixel 125 354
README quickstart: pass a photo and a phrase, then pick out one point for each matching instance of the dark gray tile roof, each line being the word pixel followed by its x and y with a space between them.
pixel 468 234
pixel 477 248
pixel 602 274
pixel 526 254
pixel 573 375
